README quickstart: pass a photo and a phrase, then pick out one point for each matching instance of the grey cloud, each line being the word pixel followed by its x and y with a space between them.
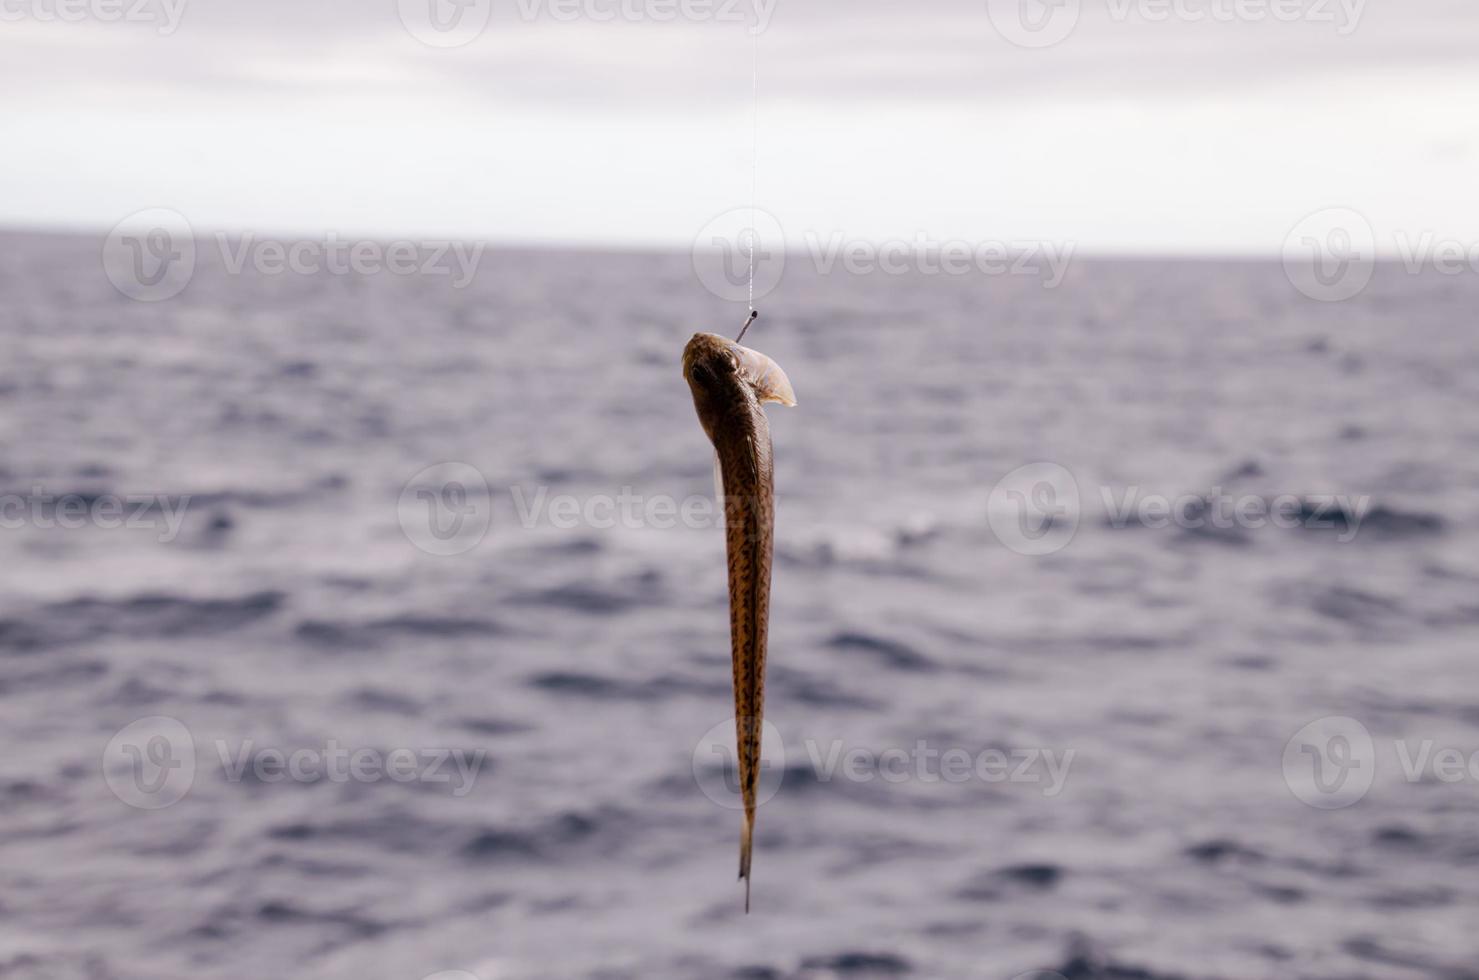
pixel 837 50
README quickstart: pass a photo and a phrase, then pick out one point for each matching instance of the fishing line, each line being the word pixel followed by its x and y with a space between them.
pixel 754 159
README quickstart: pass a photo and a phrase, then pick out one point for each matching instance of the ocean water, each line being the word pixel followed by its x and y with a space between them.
pixel 295 456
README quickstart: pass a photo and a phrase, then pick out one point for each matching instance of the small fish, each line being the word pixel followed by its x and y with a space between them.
pixel 729 384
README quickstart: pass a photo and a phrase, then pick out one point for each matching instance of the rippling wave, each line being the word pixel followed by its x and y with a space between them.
pixel 292 614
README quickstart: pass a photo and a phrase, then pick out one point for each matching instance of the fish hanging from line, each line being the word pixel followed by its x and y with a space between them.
pixel 730 383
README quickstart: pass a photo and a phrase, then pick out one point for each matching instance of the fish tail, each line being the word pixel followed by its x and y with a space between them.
pixel 746 840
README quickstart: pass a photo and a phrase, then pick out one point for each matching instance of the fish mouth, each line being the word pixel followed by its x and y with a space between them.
pixel 705 347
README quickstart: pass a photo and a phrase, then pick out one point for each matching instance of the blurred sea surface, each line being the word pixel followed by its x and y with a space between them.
pixel 282 419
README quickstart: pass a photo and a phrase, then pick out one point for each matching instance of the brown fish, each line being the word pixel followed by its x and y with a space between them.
pixel 729 384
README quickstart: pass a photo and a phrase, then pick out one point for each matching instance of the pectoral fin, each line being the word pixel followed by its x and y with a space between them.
pixel 765 376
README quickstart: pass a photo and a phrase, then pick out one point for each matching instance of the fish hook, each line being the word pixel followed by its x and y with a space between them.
pixel 753 315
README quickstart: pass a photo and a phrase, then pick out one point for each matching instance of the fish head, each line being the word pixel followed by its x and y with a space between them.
pixel 712 364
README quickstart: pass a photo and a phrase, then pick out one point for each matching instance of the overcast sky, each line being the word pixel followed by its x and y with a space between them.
pixel 1205 131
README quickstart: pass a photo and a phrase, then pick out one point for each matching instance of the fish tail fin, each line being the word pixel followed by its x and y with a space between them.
pixel 746 841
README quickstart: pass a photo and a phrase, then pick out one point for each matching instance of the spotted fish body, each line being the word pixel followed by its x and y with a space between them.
pixel 729 384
